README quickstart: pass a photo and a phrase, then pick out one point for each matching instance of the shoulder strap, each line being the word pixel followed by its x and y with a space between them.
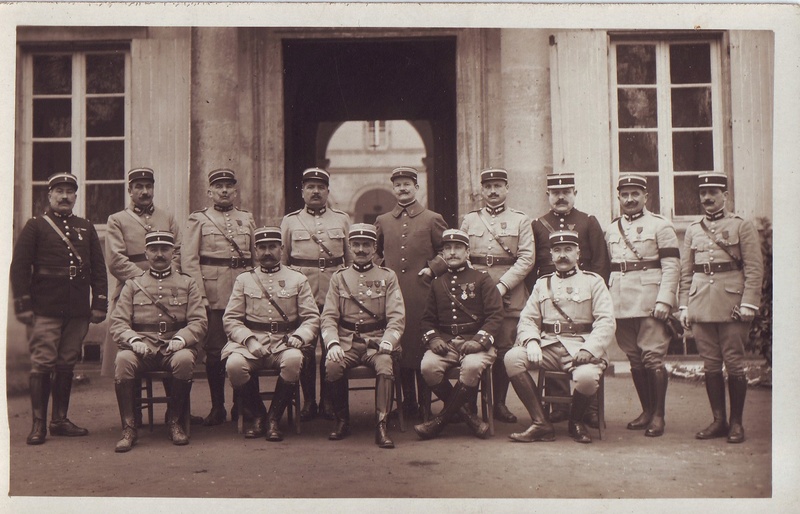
pixel 553 299
pixel 65 239
pixel 459 304
pixel 226 236
pixel 135 217
pixel 723 246
pixel 269 296
pixel 358 302
pixel 315 238
pixel 158 304
pixel 547 225
pixel 625 238
pixel 502 244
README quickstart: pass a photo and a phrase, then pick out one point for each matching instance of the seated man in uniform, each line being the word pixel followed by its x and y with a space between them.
pixel 362 322
pixel 567 325
pixel 270 316
pixel 463 313
pixel 158 322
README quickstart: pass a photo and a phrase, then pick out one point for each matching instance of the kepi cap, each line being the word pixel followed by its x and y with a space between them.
pixel 494 174
pixel 560 180
pixel 631 179
pixel 404 172
pixel 159 237
pixel 456 235
pixel 363 231
pixel 221 174
pixel 141 174
pixel 62 178
pixel 267 234
pixel 317 174
pixel 564 237
pixel 719 180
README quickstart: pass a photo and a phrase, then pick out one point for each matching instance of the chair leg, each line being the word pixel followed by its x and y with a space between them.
pixel 487 398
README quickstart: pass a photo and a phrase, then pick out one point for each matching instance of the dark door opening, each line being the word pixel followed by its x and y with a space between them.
pixel 340 80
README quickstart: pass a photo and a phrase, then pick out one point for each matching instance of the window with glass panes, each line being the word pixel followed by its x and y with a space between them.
pixel 666 118
pixel 78 108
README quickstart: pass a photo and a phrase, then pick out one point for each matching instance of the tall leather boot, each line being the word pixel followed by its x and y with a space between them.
pixel 478 427
pixel 167 383
pixel 124 389
pixel 737 389
pixel 657 380
pixel 500 383
pixel 40 397
pixel 254 414
pixel 59 424
pixel 308 383
pixel 408 382
pixel 540 429
pixel 177 403
pixel 280 399
pixel 325 401
pixel 215 371
pixel 459 395
pixel 715 388
pixel 341 409
pixel 423 396
pixel 641 382
pixel 577 430
pixel 384 387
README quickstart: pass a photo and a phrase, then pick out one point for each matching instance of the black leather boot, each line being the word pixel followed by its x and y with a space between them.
pixel 459 395
pixel 641 382
pixel 215 371
pixel 500 383
pixel 540 429
pixel 340 392
pixel 325 401
pixel 124 390
pixel 737 389
pixel 592 416
pixel 384 386
pixel 308 383
pixel 167 383
pixel 478 427
pixel 657 380
pixel 577 430
pixel 423 396
pixel 253 412
pixel 177 403
pixel 715 388
pixel 59 424
pixel 408 382
pixel 40 397
pixel 280 399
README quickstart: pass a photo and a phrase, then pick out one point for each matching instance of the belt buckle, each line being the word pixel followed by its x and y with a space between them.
pixel 557 327
pixel 273 326
pixel 73 271
pixel 322 263
pixel 162 327
pixel 490 260
pixel 454 329
pixel 234 262
pixel 357 328
pixel 707 268
pixel 623 266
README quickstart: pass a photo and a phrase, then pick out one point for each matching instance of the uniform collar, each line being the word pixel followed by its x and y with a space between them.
pixel 141 211
pixel 633 217
pixel 316 212
pixel 457 270
pixel 366 267
pixel 567 274
pixel 54 214
pixel 161 274
pixel 494 211
pixel 412 209
pixel 716 215
pixel 273 269
pixel 559 215
pixel 221 208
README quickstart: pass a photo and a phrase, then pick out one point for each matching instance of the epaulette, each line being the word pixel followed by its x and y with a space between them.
pixel 696 222
pixel 587 272
pixel 340 270
pixel 476 210
pixel 658 216
pixel 384 268
pixel 615 219
pixel 293 268
pixel 294 213
pixel 204 209
pixel 547 275
pixel 338 211
pixel 518 212
pixel 184 274
pixel 242 210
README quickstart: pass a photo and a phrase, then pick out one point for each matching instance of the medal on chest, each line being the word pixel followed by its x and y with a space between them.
pixel 463 291
pixel 174 299
pixel 369 284
pixel 639 233
pixel 503 226
pixel 282 283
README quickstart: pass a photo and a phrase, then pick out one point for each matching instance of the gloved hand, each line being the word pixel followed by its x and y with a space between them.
pixel 139 348
pixel 583 357
pixel 471 347
pixel 438 346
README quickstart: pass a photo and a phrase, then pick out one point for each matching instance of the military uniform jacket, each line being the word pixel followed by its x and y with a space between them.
pixel 330 228
pixel 476 291
pixel 594 253
pixel 584 298
pixel 178 292
pixel 513 228
pixel 712 297
pixel 635 293
pixel 290 290
pixel 39 250
pixel 125 241
pixel 378 289
pixel 205 239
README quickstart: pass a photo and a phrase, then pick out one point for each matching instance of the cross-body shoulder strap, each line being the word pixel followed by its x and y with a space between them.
pixel 269 296
pixel 226 236
pixel 158 304
pixel 65 239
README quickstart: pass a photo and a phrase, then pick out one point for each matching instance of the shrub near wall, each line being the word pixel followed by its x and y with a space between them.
pixel 760 340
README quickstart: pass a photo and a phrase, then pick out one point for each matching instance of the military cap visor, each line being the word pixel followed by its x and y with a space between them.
pixel 267 235
pixel 141 174
pixel 719 180
pixel 630 179
pixel 62 178
pixel 221 174
pixel 159 237
pixel 566 237
pixel 317 174
pixel 561 181
pixel 494 174
pixel 363 231
pixel 457 236
pixel 404 172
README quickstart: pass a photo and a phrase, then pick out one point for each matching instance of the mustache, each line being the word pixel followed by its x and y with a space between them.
pixel 708 202
pixel 361 254
pixel 561 202
pixel 563 260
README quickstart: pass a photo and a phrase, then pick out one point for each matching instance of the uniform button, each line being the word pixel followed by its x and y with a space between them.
pixel 711 273
pixel 402 247
pixel 403 235
pixel 455 317
pixel 160 315
pixel 711 281
pixel 159 287
pixel 361 276
pixel 402 271
pixel 402 258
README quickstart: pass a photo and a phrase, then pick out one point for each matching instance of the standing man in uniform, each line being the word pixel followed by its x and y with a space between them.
pixel 125 243
pixel 158 323
pixel 217 249
pixel 722 271
pixel 567 325
pixel 315 238
pixel 57 260
pixel 410 241
pixel 463 315
pixel 501 243
pixel 561 193
pixel 361 324
pixel 271 315
pixel 645 272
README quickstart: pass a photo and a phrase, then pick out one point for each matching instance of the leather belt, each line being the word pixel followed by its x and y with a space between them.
pixel 320 263
pixel 363 328
pixel 491 260
pixel 635 265
pixel 61 271
pixel 160 327
pixel 460 328
pixel 275 327
pixel 139 257
pixel 570 328
pixel 711 267
pixel 232 262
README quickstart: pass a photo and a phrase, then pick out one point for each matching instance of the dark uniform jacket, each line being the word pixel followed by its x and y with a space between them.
pixel 476 292
pixel 594 253
pixel 42 264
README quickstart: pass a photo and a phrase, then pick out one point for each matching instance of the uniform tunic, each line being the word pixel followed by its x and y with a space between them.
pixel 476 292
pixel 290 291
pixel 378 289
pixel 410 239
pixel 583 296
pixel 712 296
pixel 41 282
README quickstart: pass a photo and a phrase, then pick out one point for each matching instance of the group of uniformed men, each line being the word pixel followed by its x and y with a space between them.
pixel 250 299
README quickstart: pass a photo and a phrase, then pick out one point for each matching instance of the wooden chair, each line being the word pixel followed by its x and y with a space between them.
pixel 545 375
pixel 365 372
pixel 485 389
pixel 145 399
pixel 292 409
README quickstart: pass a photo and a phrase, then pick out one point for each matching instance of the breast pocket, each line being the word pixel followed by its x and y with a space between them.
pixel 476 231
pixel 253 300
pixel 181 299
pixel 301 235
pixel 616 246
pixel 647 244
pixel 337 236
